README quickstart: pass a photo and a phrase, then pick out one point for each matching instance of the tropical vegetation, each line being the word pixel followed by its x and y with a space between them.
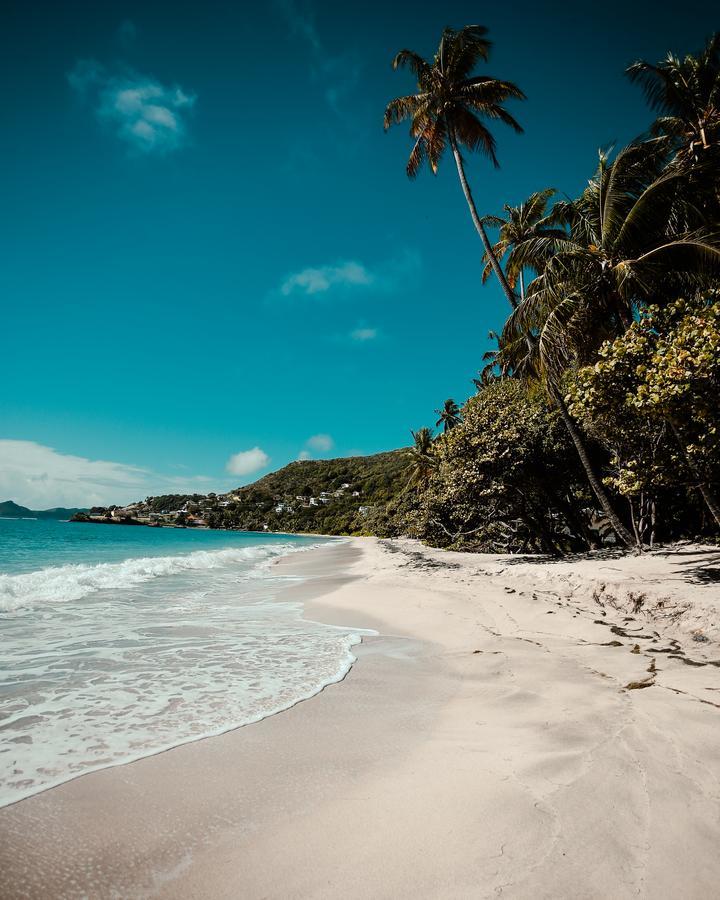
pixel 596 416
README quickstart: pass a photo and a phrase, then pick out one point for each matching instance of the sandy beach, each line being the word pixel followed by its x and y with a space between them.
pixel 517 729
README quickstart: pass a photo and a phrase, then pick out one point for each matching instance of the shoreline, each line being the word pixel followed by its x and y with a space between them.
pixel 488 741
pixel 147 753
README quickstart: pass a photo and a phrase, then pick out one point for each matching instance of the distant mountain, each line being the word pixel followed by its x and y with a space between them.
pixel 11 510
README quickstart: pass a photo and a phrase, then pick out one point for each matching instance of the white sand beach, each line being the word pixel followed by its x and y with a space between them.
pixel 517 729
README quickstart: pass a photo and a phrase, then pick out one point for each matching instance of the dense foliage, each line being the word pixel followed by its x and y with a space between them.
pixel 652 400
pixel 500 482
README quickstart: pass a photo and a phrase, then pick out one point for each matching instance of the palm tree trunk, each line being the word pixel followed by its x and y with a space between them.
pixel 479 227
pixel 706 493
pixel 711 501
pixel 595 483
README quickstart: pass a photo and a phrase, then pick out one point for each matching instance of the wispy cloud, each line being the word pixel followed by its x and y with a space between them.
pixel 323 278
pixel 389 275
pixel 361 335
pixel 40 477
pixel 337 74
pixel 150 117
pixel 247 461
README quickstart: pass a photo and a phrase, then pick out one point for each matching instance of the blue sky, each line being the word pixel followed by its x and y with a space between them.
pixel 212 261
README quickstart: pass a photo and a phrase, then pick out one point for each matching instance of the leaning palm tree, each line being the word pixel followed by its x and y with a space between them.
pixel 449 415
pixel 448 109
pixel 686 94
pixel 527 238
pixel 421 456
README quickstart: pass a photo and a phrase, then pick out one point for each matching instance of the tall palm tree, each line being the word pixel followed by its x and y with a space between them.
pixel 449 415
pixel 422 458
pixel 448 109
pixel 686 93
pixel 527 237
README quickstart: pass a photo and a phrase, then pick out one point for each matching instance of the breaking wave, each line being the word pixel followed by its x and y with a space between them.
pixel 62 584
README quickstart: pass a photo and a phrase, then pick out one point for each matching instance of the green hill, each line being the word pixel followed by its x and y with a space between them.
pixel 372 481
pixel 11 510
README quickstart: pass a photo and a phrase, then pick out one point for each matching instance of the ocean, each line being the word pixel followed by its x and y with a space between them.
pixel 119 642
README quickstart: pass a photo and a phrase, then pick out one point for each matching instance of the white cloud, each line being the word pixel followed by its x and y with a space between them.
pixel 247 461
pixel 323 443
pixel 390 275
pixel 39 477
pixel 319 280
pixel 363 334
pixel 304 454
pixel 148 116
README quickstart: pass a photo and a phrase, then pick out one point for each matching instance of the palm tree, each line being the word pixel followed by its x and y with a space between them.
pixel 527 238
pixel 422 458
pixel 633 237
pixel 448 109
pixel 686 93
pixel 627 244
pixel 449 415
pixel 493 360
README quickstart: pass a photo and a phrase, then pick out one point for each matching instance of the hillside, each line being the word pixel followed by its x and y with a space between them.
pixel 328 496
pixel 331 496
pixel 377 476
pixel 11 510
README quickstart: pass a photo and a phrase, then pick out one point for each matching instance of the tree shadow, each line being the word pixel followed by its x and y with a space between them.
pixel 544 558
pixel 703 567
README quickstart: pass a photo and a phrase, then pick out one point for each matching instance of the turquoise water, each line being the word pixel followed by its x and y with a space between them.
pixel 120 641
pixel 27 544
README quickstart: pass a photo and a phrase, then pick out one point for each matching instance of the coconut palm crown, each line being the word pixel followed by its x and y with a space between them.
pixel 450 102
pixel 527 236
pixel 450 108
pixel 686 93
pixel 449 415
pixel 421 459
pixel 632 239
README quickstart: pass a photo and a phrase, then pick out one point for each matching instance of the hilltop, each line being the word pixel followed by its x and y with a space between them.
pixel 11 510
pixel 333 496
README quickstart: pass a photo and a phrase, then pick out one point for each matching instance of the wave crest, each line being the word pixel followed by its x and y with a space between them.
pixel 62 584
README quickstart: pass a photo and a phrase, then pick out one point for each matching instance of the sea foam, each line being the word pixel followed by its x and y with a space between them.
pixel 104 664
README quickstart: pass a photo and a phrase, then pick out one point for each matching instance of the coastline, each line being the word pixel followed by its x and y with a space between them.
pixel 488 742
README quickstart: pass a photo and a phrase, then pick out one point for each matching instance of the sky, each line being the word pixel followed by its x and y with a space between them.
pixel 212 262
